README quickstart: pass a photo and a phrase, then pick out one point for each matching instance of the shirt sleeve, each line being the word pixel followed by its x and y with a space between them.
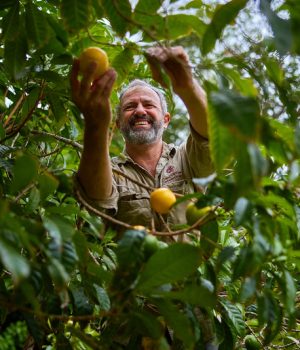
pixel 108 205
pixel 198 155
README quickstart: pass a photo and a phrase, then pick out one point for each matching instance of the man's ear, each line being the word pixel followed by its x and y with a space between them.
pixel 167 119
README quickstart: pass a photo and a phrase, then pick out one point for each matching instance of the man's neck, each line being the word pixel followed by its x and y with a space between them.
pixel 147 156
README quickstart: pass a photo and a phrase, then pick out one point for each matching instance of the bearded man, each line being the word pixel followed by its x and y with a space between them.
pixel 142 117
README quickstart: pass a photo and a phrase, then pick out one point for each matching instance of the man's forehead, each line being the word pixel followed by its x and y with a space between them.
pixel 140 92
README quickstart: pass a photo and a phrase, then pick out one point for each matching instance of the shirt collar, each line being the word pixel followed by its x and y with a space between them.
pixel 169 151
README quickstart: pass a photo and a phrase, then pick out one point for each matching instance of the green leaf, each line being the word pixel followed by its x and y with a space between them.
pixel 13 261
pixel 281 28
pixel 178 321
pixel 259 164
pixel 119 14
pixel 15 55
pixel 11 23
pixel 58 227
pixel 148 324
pixel 58 274
pixel 102 297
pixel 269 315
pixel 234 317
pixel 47 184
pixel 220 141
pixel 82 304
pixel 8 3
pixel 209 236
pixel 75 14
pixel 289 291
pixel 242 210
pixel 168 265
pixel 123 63
pixel 182 25
pixel 146 7
pixel 25 171
pixel 199 295
pixel 239 113
pixel 224 15
pixel 37 28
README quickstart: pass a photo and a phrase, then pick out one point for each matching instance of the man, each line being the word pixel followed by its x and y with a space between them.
pixel 142 118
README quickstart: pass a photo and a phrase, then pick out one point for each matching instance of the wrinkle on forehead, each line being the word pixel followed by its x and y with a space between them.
pixel 143 93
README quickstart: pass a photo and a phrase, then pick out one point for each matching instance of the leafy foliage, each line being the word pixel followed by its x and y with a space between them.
pixel 65 282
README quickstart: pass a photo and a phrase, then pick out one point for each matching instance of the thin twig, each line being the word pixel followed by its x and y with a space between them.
pixel 59 138
pixel 25 120
pixel 16 106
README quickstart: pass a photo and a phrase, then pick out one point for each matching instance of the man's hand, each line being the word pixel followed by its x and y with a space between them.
pixel 92 97
pixel 175 61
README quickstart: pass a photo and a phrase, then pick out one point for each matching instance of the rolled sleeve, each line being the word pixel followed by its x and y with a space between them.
pixel 110 204
pixel 198 153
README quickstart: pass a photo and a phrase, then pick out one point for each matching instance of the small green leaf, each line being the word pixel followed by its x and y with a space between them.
pixel 11 23
pixel 13 261
pixel 202 294
pixel 209 236
pixel 15 55
pixel 224 15
pixel 234 317
pixel 281 28
pixel 147 7
pixel 242 210
pixel 239 113
pixel 178 321
pixel 123 63
pixel 47 184
pixel 102 297
pixel 37 28
pixel 58 274
pixel 58 227
pixel 119 14
pixel 25 171
pixel 168 265
pixel 75 14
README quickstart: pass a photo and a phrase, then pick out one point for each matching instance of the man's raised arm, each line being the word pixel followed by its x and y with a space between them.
pixel 92 99
pixel 175 62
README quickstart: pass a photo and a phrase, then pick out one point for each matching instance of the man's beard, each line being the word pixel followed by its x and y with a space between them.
pixel 142 136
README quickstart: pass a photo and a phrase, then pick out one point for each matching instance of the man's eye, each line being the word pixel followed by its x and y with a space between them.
pixel 128 108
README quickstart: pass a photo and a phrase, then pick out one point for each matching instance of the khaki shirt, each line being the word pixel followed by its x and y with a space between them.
pixel 176 168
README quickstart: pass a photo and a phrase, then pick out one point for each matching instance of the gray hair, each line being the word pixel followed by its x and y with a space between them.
pixel 139 82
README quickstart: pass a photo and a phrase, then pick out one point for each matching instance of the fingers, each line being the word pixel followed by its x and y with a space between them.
pixel 102 87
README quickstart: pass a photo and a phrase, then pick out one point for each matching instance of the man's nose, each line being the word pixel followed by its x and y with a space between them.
pixel 140 110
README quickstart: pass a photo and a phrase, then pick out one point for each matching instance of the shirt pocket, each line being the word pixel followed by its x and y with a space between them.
pixel 134 208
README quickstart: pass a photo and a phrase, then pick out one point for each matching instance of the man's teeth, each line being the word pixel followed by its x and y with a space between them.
pixel 141 123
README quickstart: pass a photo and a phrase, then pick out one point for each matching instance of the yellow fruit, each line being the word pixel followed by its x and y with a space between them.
pixel 193 213
pixel 162 199
pixel 90 55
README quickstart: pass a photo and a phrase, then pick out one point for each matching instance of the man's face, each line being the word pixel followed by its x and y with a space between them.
pixel 142 120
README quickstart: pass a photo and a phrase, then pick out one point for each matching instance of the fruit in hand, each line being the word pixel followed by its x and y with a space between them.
pixel 162 199
pixel 193 214
pixel 90 55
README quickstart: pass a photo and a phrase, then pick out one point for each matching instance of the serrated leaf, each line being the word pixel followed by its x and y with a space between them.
pixel 75 14
pixel 119 14
pixel 11 23
pixel 169 265
pixel 37 29
pixel 234 317
pixel 224 15
pixel 13 261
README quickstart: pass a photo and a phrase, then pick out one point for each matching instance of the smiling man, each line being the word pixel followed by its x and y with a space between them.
pixel 142 117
